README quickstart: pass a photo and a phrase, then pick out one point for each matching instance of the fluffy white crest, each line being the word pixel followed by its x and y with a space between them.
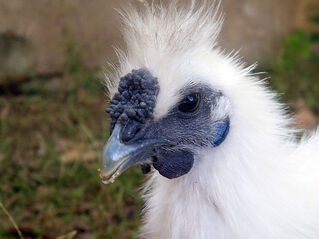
pixel 161 39
pixel 179 27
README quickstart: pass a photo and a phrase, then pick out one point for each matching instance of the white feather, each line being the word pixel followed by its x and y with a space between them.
pixel 260 183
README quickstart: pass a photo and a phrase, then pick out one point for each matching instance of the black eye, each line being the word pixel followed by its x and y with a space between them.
pixel 190 103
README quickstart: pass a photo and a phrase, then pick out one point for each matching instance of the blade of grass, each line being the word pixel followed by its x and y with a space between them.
pixel 11 220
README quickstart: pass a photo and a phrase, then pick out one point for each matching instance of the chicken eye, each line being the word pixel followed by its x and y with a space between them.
pixel 190 103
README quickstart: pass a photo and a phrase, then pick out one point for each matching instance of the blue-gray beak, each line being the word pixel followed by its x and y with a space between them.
pixel 118 157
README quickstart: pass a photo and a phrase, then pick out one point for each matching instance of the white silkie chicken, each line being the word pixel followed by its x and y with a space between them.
pixel 226 164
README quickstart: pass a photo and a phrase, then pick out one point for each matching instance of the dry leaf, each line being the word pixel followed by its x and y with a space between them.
pixel 70 235
pixel 78 152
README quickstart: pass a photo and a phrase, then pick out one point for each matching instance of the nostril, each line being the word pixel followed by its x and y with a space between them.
pixel 154 159
pixel 132 131
pixel 137 130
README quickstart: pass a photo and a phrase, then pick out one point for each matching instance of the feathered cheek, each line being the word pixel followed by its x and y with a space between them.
pixel 173 164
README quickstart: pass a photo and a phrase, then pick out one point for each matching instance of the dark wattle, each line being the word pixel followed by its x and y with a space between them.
pixel 173 164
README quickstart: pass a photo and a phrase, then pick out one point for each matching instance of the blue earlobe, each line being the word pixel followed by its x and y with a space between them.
pixel 221 132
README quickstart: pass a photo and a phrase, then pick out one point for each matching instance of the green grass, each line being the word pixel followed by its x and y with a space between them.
pixel 52 137
pixel 295 72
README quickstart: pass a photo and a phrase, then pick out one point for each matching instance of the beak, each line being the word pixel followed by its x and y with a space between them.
pixel 118 157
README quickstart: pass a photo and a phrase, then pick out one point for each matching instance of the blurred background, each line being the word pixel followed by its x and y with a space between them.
pixel 53 54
